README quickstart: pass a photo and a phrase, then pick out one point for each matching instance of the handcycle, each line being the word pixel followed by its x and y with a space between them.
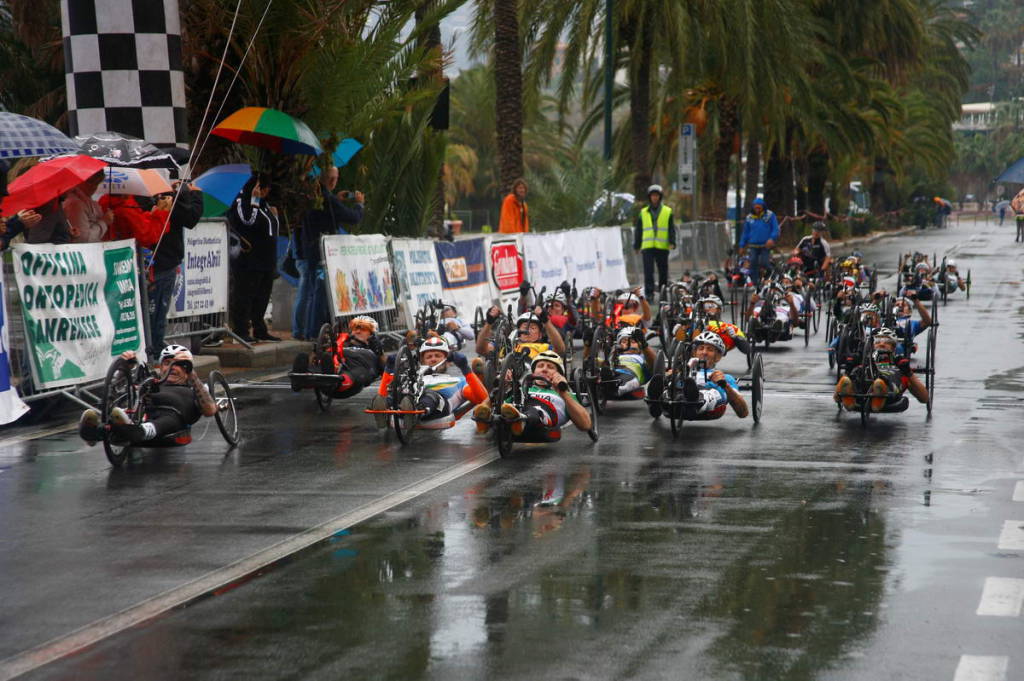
pixel 513 384
pixel 863 376
pixel 404 393
pixel 129 384
pixel 673 400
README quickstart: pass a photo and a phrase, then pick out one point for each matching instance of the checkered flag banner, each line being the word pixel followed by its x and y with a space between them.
pixel 122 63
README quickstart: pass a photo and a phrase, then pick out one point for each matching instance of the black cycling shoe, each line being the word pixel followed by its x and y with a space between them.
pixel 691 394
pixel 655 388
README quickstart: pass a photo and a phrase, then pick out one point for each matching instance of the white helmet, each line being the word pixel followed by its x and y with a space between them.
pixel 446 304
pixel 715 300
pixel 362 321
pixel 922 267
pixel 868 307
pixel 172 351
pixel 711 338
pixel 625 332
pixel 886 333
pixel 527 317
pixel 435 343
pixel 655 188
pixel 950 263
pixel 559 297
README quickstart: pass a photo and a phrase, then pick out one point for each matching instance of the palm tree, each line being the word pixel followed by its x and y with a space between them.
pixel 508 78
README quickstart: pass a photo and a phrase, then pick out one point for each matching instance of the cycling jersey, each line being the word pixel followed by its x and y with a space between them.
pixel 630 374
pixel 713 395
pixel 533 348
pixel 442 396
pixel 729 332
pixel 172 408
pixel 812 252
pixel 549 405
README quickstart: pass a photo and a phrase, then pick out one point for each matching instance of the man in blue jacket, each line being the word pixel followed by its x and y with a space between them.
pixel 760 232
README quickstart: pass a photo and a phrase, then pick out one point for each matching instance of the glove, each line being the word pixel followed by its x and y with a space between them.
pixel 638 336
pixel 524 288
pixel 492 317
pixel 566 289
pixel 904 366
pixel 543 317
pixel 460 360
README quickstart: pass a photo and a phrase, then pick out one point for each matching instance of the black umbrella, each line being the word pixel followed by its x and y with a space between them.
pixel 125 151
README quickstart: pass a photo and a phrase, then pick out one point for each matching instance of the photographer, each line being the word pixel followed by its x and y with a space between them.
pixel 168 254
pixel 327 215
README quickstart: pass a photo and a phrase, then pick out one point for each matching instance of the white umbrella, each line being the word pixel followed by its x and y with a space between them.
pixel 134 181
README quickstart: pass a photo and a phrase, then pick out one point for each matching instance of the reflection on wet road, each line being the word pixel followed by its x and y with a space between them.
pixel 805 548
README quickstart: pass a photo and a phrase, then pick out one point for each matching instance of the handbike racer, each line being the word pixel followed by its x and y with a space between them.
pixel 707 392
pixel 179 403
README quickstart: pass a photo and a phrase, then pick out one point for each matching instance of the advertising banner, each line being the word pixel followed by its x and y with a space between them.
pixel 202 283
pixel 358 273
pixel 11 406
pixel 506 265
pixel 81 307
pixel 582 257
pixel 611 261
pixel 416 271
pixel 462 266
pixel 547 259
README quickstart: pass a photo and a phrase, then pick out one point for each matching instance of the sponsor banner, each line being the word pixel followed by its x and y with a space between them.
pixel 201 286
pixel 611 260
pixel 548 260
pixel 357 273
pixel 11 406
pixel 462 266
pixel 81 306
pixel 416 272
pixel 505 260
pixel 582 257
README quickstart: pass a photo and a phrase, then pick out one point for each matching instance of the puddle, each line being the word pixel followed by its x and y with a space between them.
pixel 1008 380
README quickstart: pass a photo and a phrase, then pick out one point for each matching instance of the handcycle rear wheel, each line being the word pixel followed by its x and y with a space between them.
pixel 227 414
pixel 323 363
pixel 120 389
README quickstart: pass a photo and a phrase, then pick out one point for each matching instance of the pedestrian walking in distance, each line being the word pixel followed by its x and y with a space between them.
pixel 515 216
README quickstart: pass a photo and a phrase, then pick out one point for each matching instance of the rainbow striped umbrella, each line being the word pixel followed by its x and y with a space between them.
pixel 269 129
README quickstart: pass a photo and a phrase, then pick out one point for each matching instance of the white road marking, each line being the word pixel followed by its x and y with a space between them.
pixel 95 632
pixel 1018 491
pixel 982 668
pixel 1001 597
pixel 1012 536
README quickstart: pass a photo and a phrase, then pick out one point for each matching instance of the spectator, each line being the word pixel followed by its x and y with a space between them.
pixel 88 222
pixel 515 216
pixel 43 225
pixel 254 269
pixel 318 221
pixel 654 234
pixel 131 222
pixel 167 255
pixel 301 293
pixel 760 232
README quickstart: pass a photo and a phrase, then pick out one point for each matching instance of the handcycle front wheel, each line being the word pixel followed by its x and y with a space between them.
pixel 757 388
pixel 406 367
pixel 120 389
pixel 323 363
pixel 227 413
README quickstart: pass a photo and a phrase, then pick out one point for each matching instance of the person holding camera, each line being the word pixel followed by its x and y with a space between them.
pixel 168 254
pixel 256 224
pixel 181 401
pixel 327 216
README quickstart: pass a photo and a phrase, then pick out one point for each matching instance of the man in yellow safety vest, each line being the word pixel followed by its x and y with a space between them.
pixel 654 234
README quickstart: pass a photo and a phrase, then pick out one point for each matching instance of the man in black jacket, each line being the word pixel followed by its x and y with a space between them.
pixel 317 222
pixel 169 253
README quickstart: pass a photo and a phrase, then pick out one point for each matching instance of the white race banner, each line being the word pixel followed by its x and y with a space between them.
pixel 81 307
pixel 415 263
pixel 358 273
pixel 611 262
pixel 547 260
pixel 582 257
pixel 11 406
pixel 202 283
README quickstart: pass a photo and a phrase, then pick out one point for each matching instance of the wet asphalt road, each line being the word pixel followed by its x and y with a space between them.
pixel 805 548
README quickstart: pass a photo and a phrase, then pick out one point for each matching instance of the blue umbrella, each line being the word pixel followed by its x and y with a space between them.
pixel 21 136
pixel 347 148
pixel 221 185
pixel 1014 174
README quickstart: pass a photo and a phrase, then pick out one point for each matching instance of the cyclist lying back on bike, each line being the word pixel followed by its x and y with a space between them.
pixel 358 361
pixel 442 393
pixel 707 392
pixel 180 402
pixel 895 376
pixel 550 404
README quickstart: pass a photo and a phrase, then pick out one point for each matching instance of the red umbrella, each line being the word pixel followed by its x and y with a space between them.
pixel 48 180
